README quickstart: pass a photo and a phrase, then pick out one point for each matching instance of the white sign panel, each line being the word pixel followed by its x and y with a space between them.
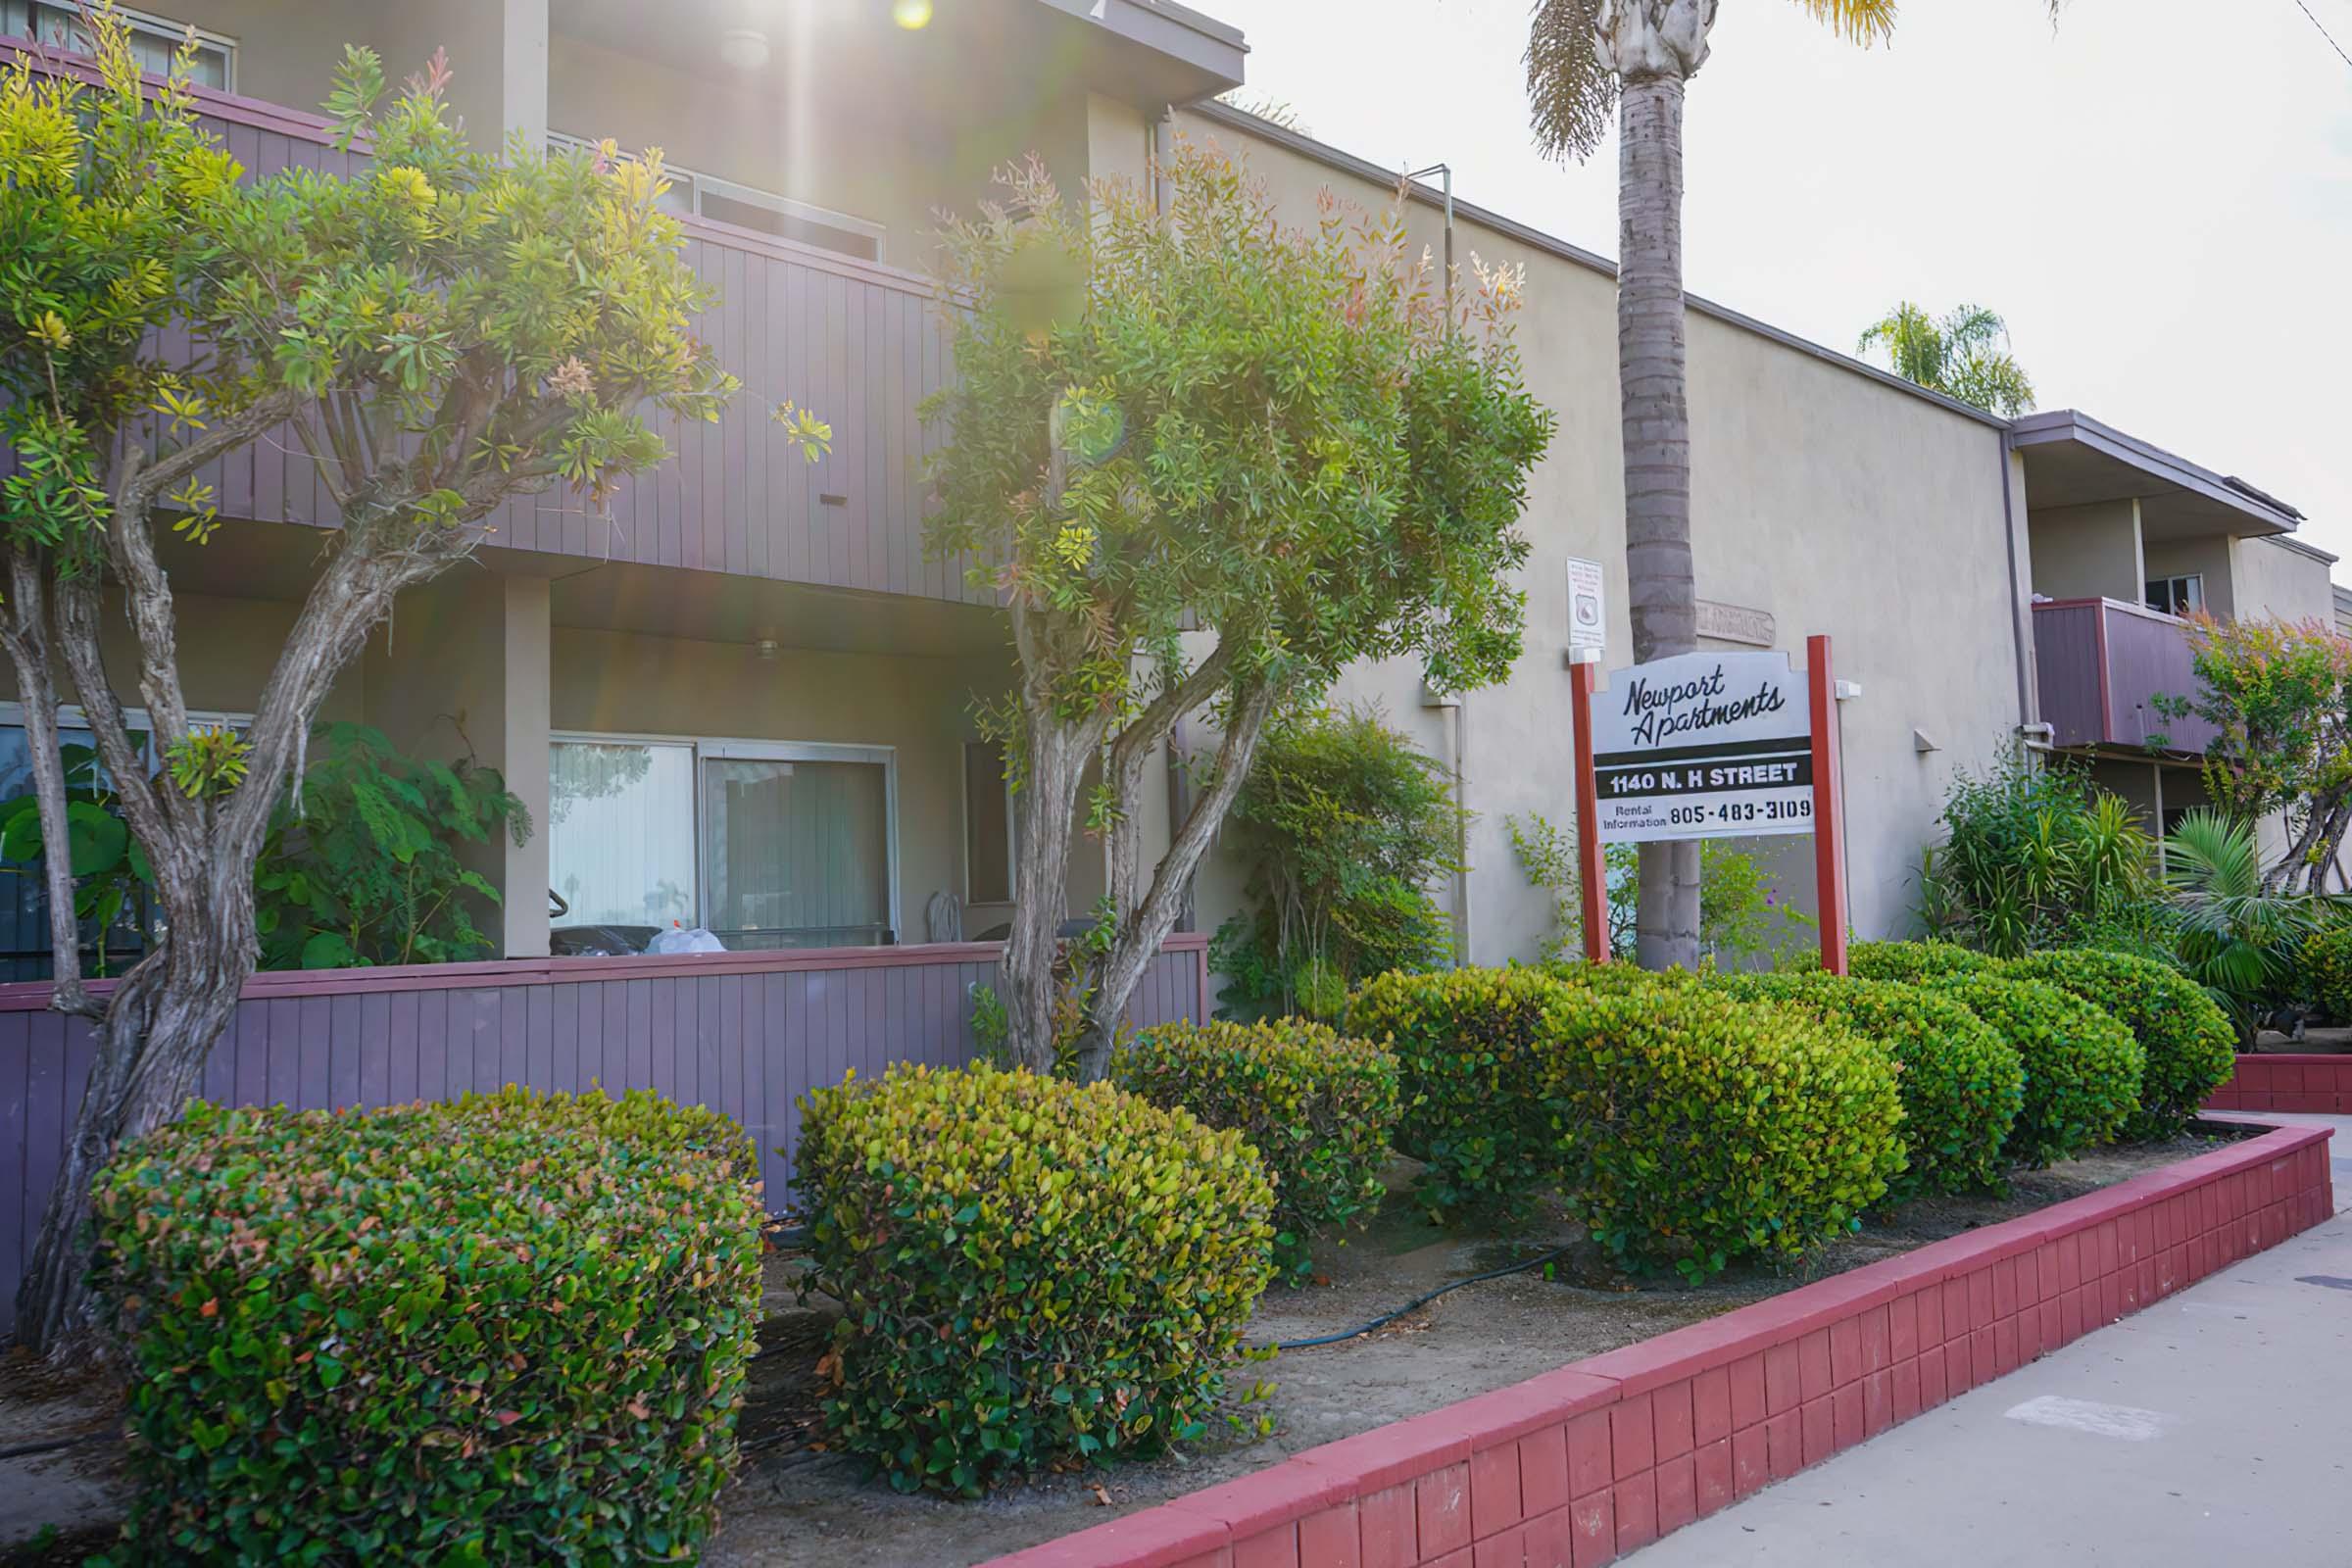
pixel 1588 605
pixel 1704 746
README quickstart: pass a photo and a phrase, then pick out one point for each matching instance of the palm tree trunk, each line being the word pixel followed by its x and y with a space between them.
pixel 1656 411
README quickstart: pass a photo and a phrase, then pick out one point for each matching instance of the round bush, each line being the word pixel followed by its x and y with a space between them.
pixel 1910 962
pixel 1474 1109
pixel 1319 1109
pixel 507 1329
pixel 1699 1129
pixel 2189 1046
pixel 1030 1272
pixel 1619 976
pixel 1961 1082
pixel 2083 1066
pixel 2327 963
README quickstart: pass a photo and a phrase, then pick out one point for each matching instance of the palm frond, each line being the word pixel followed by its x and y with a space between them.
pixel 1571 93
pixel 1862 22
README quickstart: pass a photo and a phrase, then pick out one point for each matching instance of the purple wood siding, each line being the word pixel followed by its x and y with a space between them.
pixel 2100 665
pixel 746 1034
pixel 861 344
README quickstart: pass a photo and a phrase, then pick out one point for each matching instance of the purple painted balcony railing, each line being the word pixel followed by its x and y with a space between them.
pixel 743 1033
pixel 860 343
pixel 2101 664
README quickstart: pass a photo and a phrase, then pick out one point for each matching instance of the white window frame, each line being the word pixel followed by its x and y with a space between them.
pixel 1012 824
pixel 167 30
pixel 2169 580
pixel 72 716
pixel 696 183
pixel 708 749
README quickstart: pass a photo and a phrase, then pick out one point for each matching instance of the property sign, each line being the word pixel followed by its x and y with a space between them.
pixel 1703 744
pixel 1587 606
pixel 1737 624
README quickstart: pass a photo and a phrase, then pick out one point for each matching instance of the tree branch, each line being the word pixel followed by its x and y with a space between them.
pixel 27 633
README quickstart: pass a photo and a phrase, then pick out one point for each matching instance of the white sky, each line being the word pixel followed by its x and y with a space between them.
pixel 2160 201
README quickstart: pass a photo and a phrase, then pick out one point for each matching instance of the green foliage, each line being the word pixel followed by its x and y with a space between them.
pixel 1344 826
pixel 362 867
pixel 2188 1040
pixel 1548 853
pixel 2033 852
pixel 2233 933
pixel 1962 1084
pixel 1963 354
pixel 1473 1111
pixel 1031 1273
pixel 110 868
pixel 1911 963
pixel 2083 1067
pixel 1742 919
pixel 1318 1108
pixel 502 1330
pixel 1698 1130
pixel 2326 959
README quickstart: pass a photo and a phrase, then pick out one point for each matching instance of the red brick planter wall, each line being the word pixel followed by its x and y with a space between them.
pixel 1582 1465
pixel 2320 1083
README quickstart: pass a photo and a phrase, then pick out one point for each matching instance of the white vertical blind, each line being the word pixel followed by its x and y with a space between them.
pixel 620 832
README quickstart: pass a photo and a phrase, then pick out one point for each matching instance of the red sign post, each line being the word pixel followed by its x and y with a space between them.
pixel 1826 819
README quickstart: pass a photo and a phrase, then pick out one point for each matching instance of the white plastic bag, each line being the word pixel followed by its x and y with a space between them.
pixel 674 940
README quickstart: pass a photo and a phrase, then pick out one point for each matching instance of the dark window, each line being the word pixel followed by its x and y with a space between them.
pixel 786 226
pixel 987 826
pixel 2177 596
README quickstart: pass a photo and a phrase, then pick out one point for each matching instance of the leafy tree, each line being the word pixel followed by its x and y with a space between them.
pixel 1963 354
pixel 439 333
pixel 1585 60
pixel 1345 826
pixel 2279 698
pixel 1210 461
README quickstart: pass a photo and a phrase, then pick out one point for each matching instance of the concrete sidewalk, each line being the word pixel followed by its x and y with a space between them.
pixel 2214 1427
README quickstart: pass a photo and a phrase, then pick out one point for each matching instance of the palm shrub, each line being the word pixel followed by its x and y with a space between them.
pixel 1911 963
pixel 2188 1042
pixel 1697 1129
pixel 1318 1108
pixel 1474 1108
pixel 1345 826
pixel 507 1329
pixel 2083 1067
pixel 1031 1273
pixel 2235 936
pixel 1962 1084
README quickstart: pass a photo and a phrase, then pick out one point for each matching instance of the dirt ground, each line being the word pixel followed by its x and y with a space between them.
pixel 795 1505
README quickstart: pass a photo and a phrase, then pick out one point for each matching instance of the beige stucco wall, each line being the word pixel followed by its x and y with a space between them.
pixel 1835 502
pixel 2092 552
pixel 227 647
pixel 287 53
pixel 2210 557
pixel 2279 582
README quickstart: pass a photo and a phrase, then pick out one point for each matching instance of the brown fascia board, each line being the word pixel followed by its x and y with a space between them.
pixel 1331 156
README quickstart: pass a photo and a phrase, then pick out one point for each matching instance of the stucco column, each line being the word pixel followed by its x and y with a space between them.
pixel 522 55
pixel 524 753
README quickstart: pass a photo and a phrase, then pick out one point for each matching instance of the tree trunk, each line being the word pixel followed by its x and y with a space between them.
pixel 1656 418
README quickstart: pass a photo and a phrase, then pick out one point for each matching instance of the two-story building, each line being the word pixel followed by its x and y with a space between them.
pixel 744 700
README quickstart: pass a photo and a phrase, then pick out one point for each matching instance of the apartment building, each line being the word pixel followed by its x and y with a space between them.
pixel 744 700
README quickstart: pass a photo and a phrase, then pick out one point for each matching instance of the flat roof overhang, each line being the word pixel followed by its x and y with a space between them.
pixel 2072 460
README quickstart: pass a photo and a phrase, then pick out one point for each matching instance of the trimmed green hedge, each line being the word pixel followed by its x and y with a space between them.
pixel 2190 1047
pixel 2327 962
pixel 1962 1083
pixel 1031 1273
pixel 507 1329
pixel 2083 1067
pixel 1911 963
pixel 1473 1111
pixel 1318 1107
pixel 1699 1129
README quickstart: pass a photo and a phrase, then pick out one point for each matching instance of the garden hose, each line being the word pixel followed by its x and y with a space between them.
pixel 1417 1303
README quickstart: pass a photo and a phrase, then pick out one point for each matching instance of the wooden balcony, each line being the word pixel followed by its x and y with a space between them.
pixel 2101 664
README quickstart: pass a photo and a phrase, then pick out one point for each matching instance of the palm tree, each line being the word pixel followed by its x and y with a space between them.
pixel 1585 60
pixel 1964 354
pixel 2235 935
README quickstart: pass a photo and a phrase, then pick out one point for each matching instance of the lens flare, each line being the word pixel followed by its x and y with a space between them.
pixel 912 14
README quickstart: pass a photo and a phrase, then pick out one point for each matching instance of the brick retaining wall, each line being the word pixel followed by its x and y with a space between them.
pixel 2313 1084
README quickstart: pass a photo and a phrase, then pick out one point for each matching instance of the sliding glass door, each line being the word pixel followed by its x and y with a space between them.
pixel 797 845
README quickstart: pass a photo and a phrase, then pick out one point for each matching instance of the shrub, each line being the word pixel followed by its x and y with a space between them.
pixel 1910 962
pixel 2034 851
pixel 1473 1111
pixel 1699 1129
pixel 2083 1066
pixel 1740 917
pixel 1961 1082
pixel 1318 1108
pixel 504 1328
pixel 1030 1272
pixel 2189 1045
pixel 2326 958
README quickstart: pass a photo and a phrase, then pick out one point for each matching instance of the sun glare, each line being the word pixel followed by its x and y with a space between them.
pixel 910 14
